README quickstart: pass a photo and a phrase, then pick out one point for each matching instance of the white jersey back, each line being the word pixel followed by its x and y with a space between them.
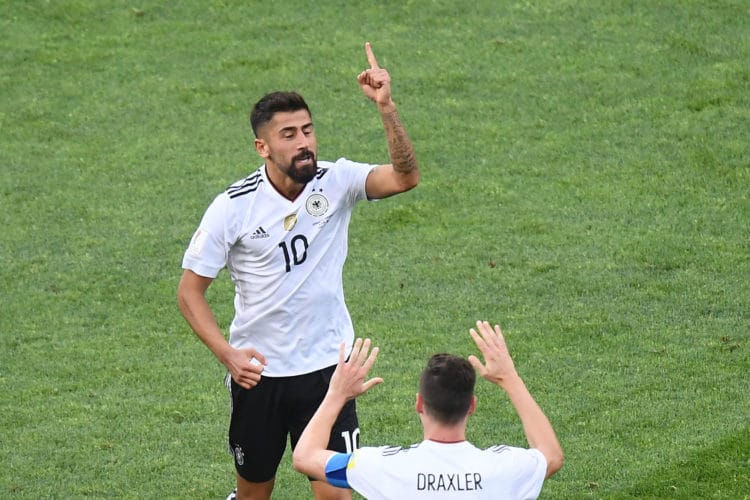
pixel 286 260
pixel 446 471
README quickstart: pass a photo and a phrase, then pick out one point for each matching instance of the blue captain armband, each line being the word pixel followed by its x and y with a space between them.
pixel 336 470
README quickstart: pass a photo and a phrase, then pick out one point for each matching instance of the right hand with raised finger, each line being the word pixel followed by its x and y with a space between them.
pixel 375 81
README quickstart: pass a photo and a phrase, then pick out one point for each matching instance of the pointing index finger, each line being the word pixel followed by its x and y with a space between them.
pixel 371 57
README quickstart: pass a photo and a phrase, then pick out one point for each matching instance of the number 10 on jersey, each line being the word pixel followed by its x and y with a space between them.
pixel 296 252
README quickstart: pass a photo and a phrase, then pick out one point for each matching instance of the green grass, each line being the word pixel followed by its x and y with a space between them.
pixel 586 183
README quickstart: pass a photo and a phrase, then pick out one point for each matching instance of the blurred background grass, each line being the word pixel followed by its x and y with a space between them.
pixel 585 184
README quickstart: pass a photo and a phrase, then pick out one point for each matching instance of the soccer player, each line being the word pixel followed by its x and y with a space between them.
pixel 282 234
pixel 444 465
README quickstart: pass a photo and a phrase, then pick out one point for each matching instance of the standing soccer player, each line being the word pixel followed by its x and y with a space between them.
pixel 282 234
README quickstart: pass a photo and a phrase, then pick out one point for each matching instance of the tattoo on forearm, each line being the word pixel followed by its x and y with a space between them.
pixel 400 148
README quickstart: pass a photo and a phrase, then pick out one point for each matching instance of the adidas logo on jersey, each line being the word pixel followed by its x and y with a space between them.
pixel 259 233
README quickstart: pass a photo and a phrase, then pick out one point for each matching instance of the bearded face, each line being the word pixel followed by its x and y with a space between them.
pixel 302 168
pixel 289 145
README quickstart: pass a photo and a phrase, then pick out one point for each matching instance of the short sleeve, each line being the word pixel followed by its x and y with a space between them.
pixel 207 253
pixel 357 176
pixel 532 467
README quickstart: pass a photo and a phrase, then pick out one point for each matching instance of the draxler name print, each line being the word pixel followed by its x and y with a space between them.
pixel 468 481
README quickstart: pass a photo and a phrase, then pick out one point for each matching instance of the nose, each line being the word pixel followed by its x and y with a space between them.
pixel 303 141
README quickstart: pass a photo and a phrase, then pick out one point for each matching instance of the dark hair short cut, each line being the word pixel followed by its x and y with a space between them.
pixel 447 387
pixel 275 102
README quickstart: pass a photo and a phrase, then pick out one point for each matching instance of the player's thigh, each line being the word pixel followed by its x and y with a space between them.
pixel 257 429
pixel 309 392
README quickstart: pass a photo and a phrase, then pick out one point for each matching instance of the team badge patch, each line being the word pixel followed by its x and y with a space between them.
pixel 239 456
pixel 316 205
pixel 290 221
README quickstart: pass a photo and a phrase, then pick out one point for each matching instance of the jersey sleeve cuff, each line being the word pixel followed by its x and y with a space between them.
pixel 199 268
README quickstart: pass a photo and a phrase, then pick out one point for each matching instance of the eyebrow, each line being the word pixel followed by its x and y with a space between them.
pixel 292 128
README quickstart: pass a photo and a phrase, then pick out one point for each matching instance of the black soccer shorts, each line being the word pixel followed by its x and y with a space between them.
pixel 263 417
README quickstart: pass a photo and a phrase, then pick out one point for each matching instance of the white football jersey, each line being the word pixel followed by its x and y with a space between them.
pixel 286 260
pixel 440 471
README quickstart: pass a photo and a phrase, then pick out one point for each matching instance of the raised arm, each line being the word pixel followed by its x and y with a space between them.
pixel 402 173
pixel 499 369
pixel 347 382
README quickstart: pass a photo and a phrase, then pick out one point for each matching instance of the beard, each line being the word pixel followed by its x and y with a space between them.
pixel 304 174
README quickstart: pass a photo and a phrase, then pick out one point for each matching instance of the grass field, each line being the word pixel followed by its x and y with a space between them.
pixel 586 184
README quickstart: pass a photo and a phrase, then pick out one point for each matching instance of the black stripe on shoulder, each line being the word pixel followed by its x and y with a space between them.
pixel 246 185
pixel 321 172
pixel 498 448
pixel 391 450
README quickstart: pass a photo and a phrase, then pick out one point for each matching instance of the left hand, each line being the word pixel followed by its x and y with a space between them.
pixel 348 380
pixel 375 82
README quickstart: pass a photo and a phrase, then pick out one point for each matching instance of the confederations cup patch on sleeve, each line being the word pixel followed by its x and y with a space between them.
pixel 199 239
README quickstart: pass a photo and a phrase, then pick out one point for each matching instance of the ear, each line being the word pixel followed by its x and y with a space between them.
pixel 419 404
pixel 261 147
pixel 473 405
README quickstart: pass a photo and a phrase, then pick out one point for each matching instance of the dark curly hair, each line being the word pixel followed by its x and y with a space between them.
pixel 275 102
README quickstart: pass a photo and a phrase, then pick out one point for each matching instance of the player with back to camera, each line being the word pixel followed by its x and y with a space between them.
pixel 282 234
pixel 444 465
